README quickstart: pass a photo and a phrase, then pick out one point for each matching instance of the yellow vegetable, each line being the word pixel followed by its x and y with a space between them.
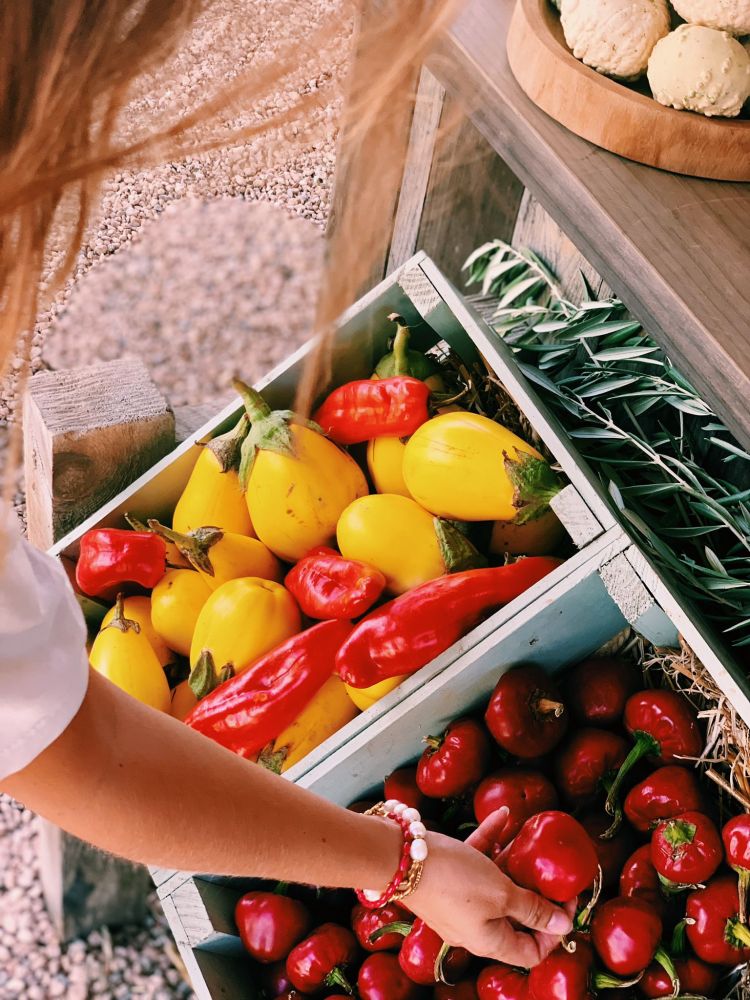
pixel 220 556
pixel 242 620
pixel 213 494
pixel 385 459
pixel 398 537
pixel 183 701
pixel 363 698
pixel 466 467
pixel 138 609
pixel 176 602
pixel 298 482
pixel 122 653
pixel 539 537
pixel 329 711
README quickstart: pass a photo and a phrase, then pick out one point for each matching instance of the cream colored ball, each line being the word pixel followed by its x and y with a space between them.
pixel 700 69
pixel 614 36
pixel 726 15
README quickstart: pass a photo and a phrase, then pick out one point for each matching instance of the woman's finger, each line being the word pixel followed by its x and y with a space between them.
pixel 488 832
pixel 517 947
pixel 535 912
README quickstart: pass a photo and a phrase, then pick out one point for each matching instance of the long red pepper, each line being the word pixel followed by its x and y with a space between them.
pixel 406 633
pixel 325 585
pixel 369 408
pixel 246 712
pixel 110 557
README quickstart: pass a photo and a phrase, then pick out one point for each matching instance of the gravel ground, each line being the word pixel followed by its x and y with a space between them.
pixel 220 285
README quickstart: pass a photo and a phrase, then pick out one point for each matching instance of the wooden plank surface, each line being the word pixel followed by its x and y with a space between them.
pixel 676 249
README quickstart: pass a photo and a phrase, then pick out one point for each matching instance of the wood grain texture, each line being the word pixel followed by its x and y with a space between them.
pixel 675 249
pixel 88 433
pixel 614 116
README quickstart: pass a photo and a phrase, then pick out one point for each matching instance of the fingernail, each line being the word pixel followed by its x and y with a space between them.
pixel 559 923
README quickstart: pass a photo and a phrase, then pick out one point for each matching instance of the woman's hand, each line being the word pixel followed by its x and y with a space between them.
pixel 468 901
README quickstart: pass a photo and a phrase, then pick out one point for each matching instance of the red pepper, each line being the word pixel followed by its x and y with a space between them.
pixel 370 408
pixel 597 689
pixel 554 856
pixel 697 979
pixel 466 989
pixel 366 923
pixel 686 849
pixel 409 631
pixel 110 557
pixel 423 956
pixel 525 714
pixel 402 786
pixel 640 879
pixel 626 934
pixel 455 761
pixel 274 980
pixel 382 978
pixel 612 851
pixel 522 791
pixel 270 924
pixel 665 727
pixel 736 838
pixel 320 960
pixel 716 933
pixel 569 975
pixel 325 585
pixel 663 794
pixel 502 982
pixel 251 709
pixel 586 760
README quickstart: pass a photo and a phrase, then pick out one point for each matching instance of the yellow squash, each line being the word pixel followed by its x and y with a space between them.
pixel 183 701
pixel 329 711
pixel 363 698
pixel 466 467
pixel 126 657
pixel 138 609
pixel 298 482
pixel 213 494
pixel 176 602
pixel 385 461
pixel 242 620
pixel 220 556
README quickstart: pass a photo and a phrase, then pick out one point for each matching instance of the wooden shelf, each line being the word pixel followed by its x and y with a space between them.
pixel 675 249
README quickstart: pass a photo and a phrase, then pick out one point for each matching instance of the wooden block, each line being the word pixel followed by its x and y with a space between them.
pixel 88 433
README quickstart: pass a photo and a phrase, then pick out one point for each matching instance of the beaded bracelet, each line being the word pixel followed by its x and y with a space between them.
pixel 413 855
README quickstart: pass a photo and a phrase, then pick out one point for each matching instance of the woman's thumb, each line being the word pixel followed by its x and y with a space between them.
pixel 536 912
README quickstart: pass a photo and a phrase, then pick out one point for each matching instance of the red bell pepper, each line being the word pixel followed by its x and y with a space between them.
pixel 714 930
pixel 736 838
pixel 521 791
pixel 369 408
pixel 686 849
pixel 382 978
pixel 455 761
pixel 110 557
pixel 639 878
pixel 597 689
pixel 402 786
pixel 612 851
pixel 585 761
pixel 367 923
pixel 664 793
pixel 270 924
pixel 626 934
pixel 409 631
pixel 697 979
pixel 320 960
pixel 502 982
pixel 248 711
pixel 325 585
pixel 465 989
pixel 525 714
pixel 554 856
pixel 427 960
pixel 570 975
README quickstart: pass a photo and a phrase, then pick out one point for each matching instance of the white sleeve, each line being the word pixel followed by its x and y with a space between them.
pixel 43 661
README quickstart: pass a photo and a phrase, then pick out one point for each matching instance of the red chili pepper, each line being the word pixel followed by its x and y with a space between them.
pixel 586 760
pixel 465 990
pixel 640 879
pixel 569 975
pixel 249 710
pixel 716 934
pixel 522 791
pixel 320 960
pixel 525 714
pixel 366 923
pixel 455 761
pixel 665 727
pixel 686 849
pixel 697 979
pixel 626 934
pixel 382 978
pixel 274 980
pixel 409 631
pixel 502 982
pixel 325 585
pixel 612 851
pixel 423 955
pixel 110 557
pixel 554 856
pixel 736 838
pixel 597 689
pixel 402 786
pixel 663 794
pixel 270 924
pixel 370 408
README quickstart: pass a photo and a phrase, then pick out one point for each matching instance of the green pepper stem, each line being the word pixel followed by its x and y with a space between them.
pixel 740 932
pixel 584 916
pixel 401 365
pixel 337 978
pixel 664 959
pixel 606 981
pixel 433 742
pixel 617 817
pixel 397 927
pixel 194 545
pixel 119 621
pixel 281 889
pixel 644 744
pixel 255 406
pixel 743 883
pixel 438 970
pixel 547 706
pixel 679 937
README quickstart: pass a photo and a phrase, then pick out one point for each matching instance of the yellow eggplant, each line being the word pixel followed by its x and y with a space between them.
pixel 220 556
pixel 364 698
pixel 176 602
pixel 324 715
pixel 395 535
pixel 298 482
pixel 385 461
pixel 183 701
pixel 466 467
pixel 122 653
pixel 540 536
pixel 213 494
pixel 138 609
pixel 240 621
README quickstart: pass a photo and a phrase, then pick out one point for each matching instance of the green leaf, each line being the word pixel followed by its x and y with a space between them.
pixel 485 248
pixel 728 446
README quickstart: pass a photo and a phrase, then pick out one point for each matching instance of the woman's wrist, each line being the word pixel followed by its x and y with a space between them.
pixel 381 841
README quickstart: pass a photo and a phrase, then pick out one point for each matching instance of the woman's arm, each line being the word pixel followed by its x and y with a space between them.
pixel 138 783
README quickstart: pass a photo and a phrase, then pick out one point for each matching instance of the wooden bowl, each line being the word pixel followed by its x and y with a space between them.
pixel 617 117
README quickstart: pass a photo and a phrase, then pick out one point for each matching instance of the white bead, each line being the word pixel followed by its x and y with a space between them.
pixel 418 829
pixel 418 850
pixel 371 895
pixel 411 815
pixel 390 805
pixel 399 808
